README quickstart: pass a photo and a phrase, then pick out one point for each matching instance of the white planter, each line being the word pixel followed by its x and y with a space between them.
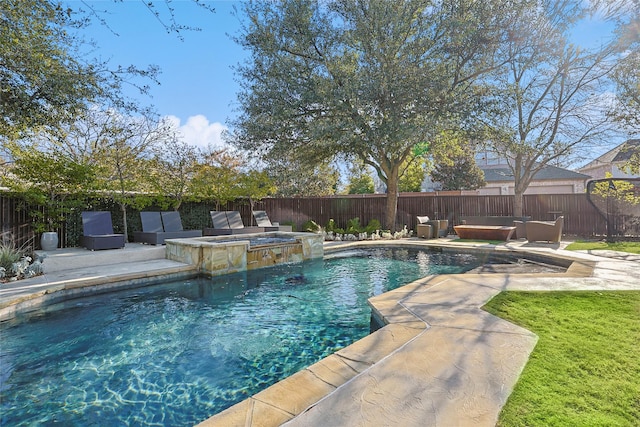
pixel 49 241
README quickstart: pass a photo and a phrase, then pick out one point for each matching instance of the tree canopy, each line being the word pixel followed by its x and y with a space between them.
pixel 47 69
pixel 369 79
pixel 43 81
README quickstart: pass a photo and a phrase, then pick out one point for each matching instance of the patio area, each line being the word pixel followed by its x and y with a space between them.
pixel 440 360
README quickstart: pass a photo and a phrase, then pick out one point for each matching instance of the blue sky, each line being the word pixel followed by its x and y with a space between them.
pixel 198 87
pixel 197 82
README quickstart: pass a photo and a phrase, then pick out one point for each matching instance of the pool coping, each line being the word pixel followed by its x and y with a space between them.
pixel 414 327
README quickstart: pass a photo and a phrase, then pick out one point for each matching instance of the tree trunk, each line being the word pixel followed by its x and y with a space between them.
pixel 392 201
pixel 518 202
pixel 123 208
pixel 518 194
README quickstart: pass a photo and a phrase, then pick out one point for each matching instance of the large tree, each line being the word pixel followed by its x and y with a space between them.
pixel 548 99
pixel 369 79
pixel 124 155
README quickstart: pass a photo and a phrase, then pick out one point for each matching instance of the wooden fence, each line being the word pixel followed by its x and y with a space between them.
pixel 581 218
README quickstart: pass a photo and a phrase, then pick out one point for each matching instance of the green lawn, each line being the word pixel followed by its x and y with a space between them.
pixel 585 368
pixel 631 247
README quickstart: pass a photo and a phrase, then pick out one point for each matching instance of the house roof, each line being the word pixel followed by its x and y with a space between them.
pixel 547 173
pixel 621 153
pixel 627 150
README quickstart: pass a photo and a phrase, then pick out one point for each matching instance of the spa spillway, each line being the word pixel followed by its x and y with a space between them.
pixel 230 254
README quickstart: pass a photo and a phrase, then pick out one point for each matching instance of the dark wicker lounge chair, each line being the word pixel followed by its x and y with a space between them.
pixel 157 227
pixel 173 224
pixel 98 232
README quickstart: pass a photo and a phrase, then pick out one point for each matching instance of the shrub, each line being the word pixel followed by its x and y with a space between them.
pixel 9 255
pixel 15 262
pixel 354 227
pixel 373 226
pixel 311 226
pixel 331 226
pixel 291 223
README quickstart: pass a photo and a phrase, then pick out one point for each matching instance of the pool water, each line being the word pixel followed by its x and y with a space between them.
pixel 175 354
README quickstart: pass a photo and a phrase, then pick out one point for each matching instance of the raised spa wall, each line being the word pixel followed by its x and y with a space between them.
pixel 230 254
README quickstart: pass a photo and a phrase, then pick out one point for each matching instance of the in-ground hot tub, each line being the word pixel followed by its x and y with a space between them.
pixel 215 255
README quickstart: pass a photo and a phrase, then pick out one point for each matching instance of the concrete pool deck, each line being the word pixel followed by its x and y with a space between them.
pixel 78 272
pixel 440 361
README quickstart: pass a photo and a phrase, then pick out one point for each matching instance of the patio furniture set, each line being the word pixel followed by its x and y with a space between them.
pixel 494 228
pixel 158 226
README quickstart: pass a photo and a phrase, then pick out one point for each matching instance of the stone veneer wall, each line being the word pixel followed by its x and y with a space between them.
pixel 220 255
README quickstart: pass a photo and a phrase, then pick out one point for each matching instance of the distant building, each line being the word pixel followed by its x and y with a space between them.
pixel 613 161
pixel 499 178
pixel 548 180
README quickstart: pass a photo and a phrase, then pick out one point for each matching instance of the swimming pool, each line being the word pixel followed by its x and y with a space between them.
pixel 177 353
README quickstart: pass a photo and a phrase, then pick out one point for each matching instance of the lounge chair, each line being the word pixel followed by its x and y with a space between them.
pixel 152 229
pixel 230 222
pixel 156 227
pixel 549 231
pixel 97 232
pixel 219 220
pixel 262 220
pixel 235 220
pixel 173 226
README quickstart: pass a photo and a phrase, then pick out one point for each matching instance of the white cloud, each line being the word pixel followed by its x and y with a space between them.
pixel 199 132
